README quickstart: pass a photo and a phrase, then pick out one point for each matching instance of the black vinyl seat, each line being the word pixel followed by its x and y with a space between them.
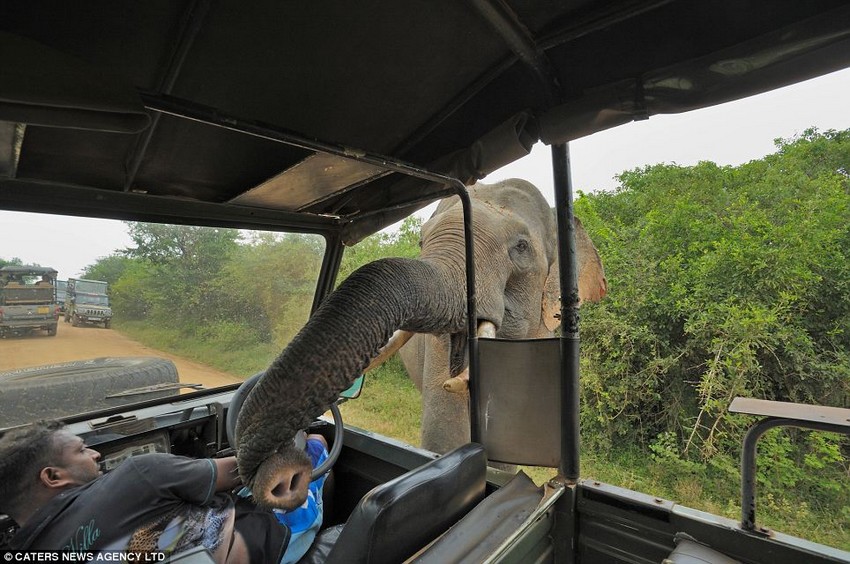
pixel 396 519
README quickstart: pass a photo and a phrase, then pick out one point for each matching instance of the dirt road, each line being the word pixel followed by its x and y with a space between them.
pixel 79 343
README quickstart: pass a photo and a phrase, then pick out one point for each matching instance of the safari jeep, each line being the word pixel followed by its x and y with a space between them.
pixel 316 124
pixel 27 300
pixel 87 301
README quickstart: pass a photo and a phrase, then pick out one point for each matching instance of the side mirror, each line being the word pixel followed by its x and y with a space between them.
pixel 354 390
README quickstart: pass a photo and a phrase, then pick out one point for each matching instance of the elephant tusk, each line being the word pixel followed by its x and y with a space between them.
pixel 398 340
pixel 487 330
pixel 460 383
pixel 457 384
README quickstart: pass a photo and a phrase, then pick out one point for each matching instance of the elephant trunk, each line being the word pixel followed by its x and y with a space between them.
pixel 329 352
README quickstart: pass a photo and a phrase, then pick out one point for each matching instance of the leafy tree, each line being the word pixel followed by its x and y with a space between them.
pixel 270 283
pixel 402 243
pixel 14 261
pixel 723 281
pixel 109 269
pixel 183 264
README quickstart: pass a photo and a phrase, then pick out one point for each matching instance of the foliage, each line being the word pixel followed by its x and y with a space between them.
pixel 181 264
pixel 109 269
pixel 229 290
pixel 401 243
pixel 724 282
pixel 14 261
pixel 269 284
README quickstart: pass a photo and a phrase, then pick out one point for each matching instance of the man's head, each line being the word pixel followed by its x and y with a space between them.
pixel 38 462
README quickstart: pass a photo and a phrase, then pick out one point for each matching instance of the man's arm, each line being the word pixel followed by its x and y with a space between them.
pixel 227 474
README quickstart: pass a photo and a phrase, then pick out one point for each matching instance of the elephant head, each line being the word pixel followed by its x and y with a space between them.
pixel 518 290
pixel 515 250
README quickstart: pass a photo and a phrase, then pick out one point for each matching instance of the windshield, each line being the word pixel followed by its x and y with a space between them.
pixel 90 287
pixel 89 299
pixel 204 306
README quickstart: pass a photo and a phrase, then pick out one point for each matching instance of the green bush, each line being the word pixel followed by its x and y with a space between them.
pixel 725 282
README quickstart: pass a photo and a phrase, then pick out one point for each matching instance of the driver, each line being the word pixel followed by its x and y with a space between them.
pixel 52 486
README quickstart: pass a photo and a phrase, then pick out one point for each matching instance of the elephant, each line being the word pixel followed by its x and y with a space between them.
pixel 518 294
pixel 384 303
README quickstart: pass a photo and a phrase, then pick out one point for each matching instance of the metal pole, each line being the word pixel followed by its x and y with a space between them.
pixel 748 460
pixel 569 466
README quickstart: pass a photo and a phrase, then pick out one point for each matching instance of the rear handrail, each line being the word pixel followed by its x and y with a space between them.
pixel 777 414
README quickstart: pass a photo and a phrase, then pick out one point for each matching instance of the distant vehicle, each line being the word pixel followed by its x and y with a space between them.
pixel 28 300
pixel 61 286
pixel 86 301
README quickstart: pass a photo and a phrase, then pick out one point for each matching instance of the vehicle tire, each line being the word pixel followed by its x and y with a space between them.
pixel 75 320
pixel 107 324
pixel 70 388
pixel 51 331
pixel 67 317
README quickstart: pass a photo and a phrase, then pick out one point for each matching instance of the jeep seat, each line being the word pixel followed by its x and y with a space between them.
pixel 396 519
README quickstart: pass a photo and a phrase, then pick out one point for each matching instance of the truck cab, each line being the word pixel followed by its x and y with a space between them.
pixel 335 121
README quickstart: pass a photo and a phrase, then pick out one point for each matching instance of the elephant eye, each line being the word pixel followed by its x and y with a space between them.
pixel 521 246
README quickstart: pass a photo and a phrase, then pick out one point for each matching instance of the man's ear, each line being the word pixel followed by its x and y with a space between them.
pixel 55 477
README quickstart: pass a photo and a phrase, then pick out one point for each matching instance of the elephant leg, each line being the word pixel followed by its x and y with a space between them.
pixel 445 416
pixel 413 357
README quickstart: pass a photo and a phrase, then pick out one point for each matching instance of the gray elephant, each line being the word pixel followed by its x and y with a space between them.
pixel 518 294
pixel 515 253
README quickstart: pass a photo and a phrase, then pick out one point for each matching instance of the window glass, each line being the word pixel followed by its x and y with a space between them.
pixel 217 304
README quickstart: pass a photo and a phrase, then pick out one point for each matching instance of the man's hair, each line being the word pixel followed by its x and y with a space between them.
pixel 23 453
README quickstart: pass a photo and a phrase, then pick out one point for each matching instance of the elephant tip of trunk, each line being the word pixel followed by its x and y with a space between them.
pixel 281 481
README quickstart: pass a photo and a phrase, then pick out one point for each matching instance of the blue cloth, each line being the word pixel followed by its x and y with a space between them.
pixel 305 521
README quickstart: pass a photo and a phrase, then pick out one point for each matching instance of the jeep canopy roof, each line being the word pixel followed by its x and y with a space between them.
pixel 108 106
pixel 14 269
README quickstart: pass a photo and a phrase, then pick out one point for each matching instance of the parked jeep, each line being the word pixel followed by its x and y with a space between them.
pixel 27 300
pixel 86 302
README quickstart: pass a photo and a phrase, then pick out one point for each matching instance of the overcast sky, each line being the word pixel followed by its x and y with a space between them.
pixel 729 134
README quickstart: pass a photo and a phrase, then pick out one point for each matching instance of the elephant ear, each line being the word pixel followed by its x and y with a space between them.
pixel 592 285
pixel 552 298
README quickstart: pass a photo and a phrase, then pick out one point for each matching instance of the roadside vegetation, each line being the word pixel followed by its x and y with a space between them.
pixel 723 282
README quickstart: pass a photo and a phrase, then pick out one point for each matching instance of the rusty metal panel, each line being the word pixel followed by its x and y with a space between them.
pixel 796 411
pixel 309 181
pixel 520 400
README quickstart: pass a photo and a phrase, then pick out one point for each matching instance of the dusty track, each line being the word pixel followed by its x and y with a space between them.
pixel 78 343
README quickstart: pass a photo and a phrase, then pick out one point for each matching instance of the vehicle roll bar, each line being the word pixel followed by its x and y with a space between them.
pixel 777 414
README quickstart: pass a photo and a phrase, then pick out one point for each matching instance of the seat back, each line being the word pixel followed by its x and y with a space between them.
pixel 396 519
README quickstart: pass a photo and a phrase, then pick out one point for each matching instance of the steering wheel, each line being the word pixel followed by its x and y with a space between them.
pixel 300 438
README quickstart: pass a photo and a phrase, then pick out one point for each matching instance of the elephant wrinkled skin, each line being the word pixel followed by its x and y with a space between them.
pixel 517 288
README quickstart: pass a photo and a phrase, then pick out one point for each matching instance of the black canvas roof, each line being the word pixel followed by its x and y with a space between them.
pixel 16 269
pixel 259 110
